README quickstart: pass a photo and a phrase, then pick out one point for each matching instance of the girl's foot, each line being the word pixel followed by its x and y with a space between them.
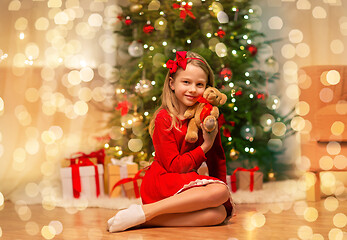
pixel 127 218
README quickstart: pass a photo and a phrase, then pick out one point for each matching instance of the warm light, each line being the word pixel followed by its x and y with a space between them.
pixel 48 232
pixel 331 204
pixel 275 23
pixel 21 36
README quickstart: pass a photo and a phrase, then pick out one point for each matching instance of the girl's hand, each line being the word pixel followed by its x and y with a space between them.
pixel 209 138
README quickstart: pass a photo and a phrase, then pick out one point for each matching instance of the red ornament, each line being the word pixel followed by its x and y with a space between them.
pixel 226 133
pixel 226 74
pixel 239 93
pixel 261 96
pixel 252 49
pixel 128 21
pixel 220 33
pixel 148 28
pixel 185 10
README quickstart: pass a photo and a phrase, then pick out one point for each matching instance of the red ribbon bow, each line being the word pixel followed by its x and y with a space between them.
pixel 185 10
pixel 83 160
pixel 123 107
pixel 251 174
pixel 130 179
pixel 206 110
pixel 181 61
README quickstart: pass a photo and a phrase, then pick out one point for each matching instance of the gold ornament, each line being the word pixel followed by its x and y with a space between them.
pixel 271 176
pixel 234 155
pixel 135 8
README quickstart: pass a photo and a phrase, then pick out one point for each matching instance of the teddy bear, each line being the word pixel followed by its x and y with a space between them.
pixel 204 111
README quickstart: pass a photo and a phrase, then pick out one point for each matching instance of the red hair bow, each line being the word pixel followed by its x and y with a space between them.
pixel 181 61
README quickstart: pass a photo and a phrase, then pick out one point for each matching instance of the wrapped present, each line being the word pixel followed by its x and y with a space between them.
pixel 97 157
pixel 118 170
pixel 82 179
pixel 131 185
pixel 245 179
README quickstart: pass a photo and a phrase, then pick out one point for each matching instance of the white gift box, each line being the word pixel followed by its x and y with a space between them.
pixel 88 185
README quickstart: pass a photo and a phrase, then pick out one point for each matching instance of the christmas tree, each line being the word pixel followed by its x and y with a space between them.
pixel 149 32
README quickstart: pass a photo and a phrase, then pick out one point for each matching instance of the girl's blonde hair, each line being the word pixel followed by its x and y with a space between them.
pixel 168 98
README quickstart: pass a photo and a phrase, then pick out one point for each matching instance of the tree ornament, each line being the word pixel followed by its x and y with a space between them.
pixel 260 96
pixel 135 49
pixel 220 33
pixel 248 132
pixel 239 93
pixel 135 8
pixel 234 155
pixel 271 61
pixel 148 28
pixel 128 21
pixel 252 49
pixel 144 85
pixel 184 10
pixel 226 74
pixel 226 133
pixel 271 175
pixel 123 107
pixel 273 102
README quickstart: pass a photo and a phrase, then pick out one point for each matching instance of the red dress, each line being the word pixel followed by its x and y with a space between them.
pixel 176 161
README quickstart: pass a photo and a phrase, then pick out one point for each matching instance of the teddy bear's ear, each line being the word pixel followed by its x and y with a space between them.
pixel 223 99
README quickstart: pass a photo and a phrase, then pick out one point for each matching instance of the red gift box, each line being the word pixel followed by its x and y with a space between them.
pixel 245 179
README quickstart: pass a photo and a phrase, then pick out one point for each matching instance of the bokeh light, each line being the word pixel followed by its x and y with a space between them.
pixel 303 50
pixel 310 214
pixel 333 148
pixel 337 46
pixel 340 220
pixel 333 77
pixel 275 23
pixel 32 228
pixel 319 12
pixel 326 162
pixel 48 232
pixel 340 161
pixel 305 232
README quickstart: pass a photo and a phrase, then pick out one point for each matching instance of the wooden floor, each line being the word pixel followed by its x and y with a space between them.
pixel 252 221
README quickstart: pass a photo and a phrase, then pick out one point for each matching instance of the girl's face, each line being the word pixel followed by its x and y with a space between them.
pixel 188 85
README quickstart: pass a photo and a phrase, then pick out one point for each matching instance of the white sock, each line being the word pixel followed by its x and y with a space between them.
pixel 127 218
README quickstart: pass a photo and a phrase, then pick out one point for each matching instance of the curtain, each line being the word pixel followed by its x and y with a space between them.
pixel 56 70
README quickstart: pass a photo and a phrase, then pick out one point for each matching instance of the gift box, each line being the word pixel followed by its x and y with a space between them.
pixel 97 157
pixel 86 183
pixel 130 186
pixel 131 189
pixel 245 179
pixel 117 170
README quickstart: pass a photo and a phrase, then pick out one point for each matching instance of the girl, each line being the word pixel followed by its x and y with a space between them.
pixel 172 192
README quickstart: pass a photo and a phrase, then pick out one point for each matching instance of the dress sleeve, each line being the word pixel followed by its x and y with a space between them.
pixel 167 150
pixel 216 161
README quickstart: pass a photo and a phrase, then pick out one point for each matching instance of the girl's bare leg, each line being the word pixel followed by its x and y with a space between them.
pixel 210 196
pixel 190 201
pixel 204 217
